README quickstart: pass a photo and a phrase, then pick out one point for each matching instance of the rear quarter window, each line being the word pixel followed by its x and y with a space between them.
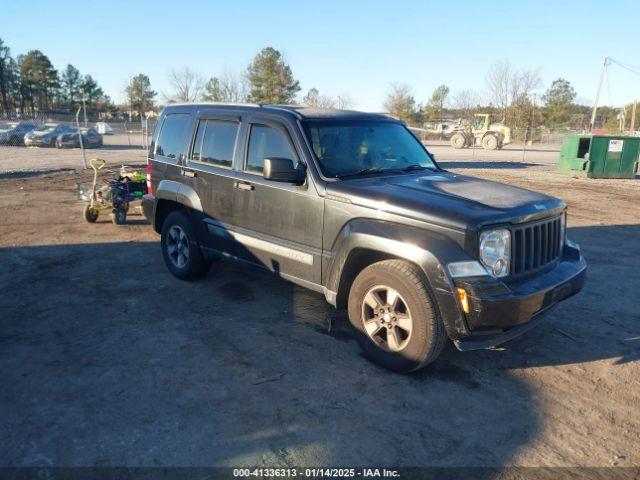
pixel 173 135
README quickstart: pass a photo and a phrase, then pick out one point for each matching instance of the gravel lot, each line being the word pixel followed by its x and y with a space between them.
pixel 117 149
pixel 106 359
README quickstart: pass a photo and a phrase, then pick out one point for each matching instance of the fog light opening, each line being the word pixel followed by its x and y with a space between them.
pixel 464 300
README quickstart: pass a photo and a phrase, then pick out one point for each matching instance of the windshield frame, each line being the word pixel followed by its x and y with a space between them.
pixel 305 128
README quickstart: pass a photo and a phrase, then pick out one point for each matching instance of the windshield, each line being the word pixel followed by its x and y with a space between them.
pixel 352 148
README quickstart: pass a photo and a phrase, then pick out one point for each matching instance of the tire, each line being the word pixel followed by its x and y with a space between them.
pixel 458 141
pixel 90 215
pixel 119 216
pixel 177 238
pixel 416 345
pixel 53 143
pixel 490 142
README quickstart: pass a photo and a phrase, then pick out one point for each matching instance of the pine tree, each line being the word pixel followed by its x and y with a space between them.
pixel 70 82
pixel 270 78
pixel 139 94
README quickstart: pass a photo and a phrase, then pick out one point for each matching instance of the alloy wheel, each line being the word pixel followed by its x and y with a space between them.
pixel 386 318
pixel 178 246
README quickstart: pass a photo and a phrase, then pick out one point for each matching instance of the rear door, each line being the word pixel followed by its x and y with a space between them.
pixel 279 225
pixel 209 169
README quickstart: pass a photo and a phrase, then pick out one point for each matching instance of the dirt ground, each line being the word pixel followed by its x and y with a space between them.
pixel 108 360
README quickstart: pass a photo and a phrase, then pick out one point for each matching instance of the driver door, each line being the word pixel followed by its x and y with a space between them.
pixel 279 224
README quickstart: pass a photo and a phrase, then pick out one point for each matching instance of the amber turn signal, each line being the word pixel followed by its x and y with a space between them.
pixel 464 300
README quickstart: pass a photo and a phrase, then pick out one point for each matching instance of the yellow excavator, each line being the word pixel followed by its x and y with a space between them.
pixel 482 132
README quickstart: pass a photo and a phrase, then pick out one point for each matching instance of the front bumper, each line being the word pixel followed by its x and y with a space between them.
pixel 69 144
pixel 501 311
pixel 37 142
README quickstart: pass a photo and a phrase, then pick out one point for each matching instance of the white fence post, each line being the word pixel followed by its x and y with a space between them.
pixel 84 157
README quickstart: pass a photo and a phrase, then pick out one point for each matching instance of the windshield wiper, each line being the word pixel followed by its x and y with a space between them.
pixel 417 166
pixel 366 171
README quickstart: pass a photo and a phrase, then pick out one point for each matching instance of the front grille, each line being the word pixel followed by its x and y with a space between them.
pixel 535 245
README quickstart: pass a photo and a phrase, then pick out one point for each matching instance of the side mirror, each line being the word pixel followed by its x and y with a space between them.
pixel 283 170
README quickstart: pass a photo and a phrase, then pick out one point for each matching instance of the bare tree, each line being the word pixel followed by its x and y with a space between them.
pixel 345 102
pixel 498 80
pixel 228 87
pixel 314 99
pixel 187 85
pixel 400 102
pixel 524 82
pixel 466 101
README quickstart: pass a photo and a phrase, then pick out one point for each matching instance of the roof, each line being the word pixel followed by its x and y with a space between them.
pixel 299 111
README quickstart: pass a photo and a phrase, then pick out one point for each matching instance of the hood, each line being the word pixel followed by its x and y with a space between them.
pixel 447 199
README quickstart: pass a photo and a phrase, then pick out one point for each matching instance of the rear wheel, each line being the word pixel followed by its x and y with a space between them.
pixel 119 216
pixel 458 140
pixel 393 310
pixel 180 248
pixel 489 142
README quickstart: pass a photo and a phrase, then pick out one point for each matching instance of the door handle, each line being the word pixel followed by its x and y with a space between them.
pixel 189 173
pixel 244 186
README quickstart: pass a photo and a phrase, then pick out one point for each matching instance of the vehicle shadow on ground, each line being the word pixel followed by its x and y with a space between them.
pixel 33 173
pixel 487 164
pixel 109 360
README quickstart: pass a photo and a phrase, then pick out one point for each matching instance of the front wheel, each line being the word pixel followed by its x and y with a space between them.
pixel 90 214
pixel 180 248
pixel 490 142
pixel 393 310
pixel 458 141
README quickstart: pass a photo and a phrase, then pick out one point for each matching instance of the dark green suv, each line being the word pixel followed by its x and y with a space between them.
pixel 352 205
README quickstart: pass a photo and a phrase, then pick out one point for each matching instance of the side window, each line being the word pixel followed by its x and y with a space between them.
pixel 265 142
pixel 219 142
pixel 173 135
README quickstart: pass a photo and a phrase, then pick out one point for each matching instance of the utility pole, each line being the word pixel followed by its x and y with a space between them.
pixel 595 104
pixel 633 116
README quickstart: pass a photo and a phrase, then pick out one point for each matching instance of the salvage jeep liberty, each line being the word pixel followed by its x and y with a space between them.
pixel 352 205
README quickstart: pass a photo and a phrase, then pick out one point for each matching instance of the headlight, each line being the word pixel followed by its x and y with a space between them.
pixel 495 251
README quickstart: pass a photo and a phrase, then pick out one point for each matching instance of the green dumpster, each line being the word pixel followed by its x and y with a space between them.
pixel 600 156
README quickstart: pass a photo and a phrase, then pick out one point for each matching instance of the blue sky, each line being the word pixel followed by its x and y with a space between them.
pixel 357 48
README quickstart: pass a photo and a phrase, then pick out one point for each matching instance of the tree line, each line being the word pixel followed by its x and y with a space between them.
pixel 511 96
pixel 267 79
pixel 29 83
